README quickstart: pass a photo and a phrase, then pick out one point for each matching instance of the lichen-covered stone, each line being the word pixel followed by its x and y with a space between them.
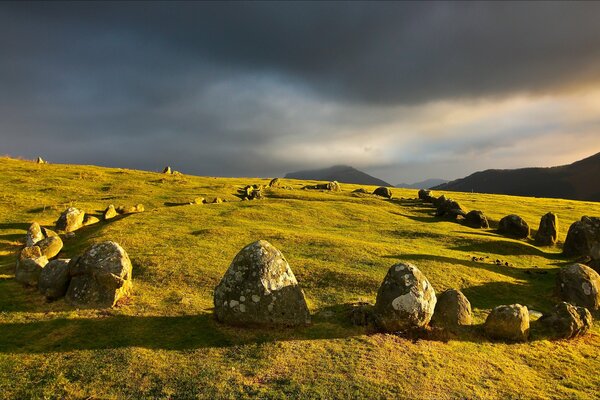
pixel 508 322
pixel 405 299
pixel 476 219
pixel 547 233
pixel 34 234
pixel 514 226
pixel 567 321
pixel 70 220
pixel 259 288
pixel 452 310
pixel 110 212
pixel 29 266
pixel 580 285
pixel 383 192
pixel 54 279
pixel 582 236
pixel 100 277
pixel 50 246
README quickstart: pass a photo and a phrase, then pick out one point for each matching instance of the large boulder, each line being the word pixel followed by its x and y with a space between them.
pixel 70 220
pixel 50 246
pixel 30 263
pixel 259 288
pixel 452 310
pixel 383 192
pixel 34 234
pixel 449 209
pixel 547 233
pixel 513 226
pixel 567 321
pixel 476 219
pixel 580 285
pixel 405 299
pixel 54 279
pixel 508 322
pixel 582 236
pixel 100 277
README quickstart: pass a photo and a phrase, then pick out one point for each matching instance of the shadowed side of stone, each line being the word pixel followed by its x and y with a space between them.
pixel 547 233
pixel 580 285
pixel 259 288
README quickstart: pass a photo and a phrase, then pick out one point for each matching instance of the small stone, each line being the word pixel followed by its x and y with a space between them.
pixel 90 220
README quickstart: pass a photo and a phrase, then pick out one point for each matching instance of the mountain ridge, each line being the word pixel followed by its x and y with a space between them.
pixel 340 173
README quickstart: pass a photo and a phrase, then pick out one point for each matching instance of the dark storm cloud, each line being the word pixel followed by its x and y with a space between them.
pixel 223 87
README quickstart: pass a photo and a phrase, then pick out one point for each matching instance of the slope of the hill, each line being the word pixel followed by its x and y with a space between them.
pixel 577 181
pixel 426 184
pixel 340 173
pixel 164 342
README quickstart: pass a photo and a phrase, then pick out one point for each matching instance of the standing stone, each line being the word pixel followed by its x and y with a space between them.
pixel 54 279
pixel 476 219
pixel 508 323
pixel 547 233
pixel 405 299
pixel 452 310
pixel 29 266
pixel 259 288
pixel 582 236
pixel 100 277
pixel 449 209
pixel 70 220
pixel 383 192
pixel 167 170
pixel 514 226
pixel 50 246
pixel 34 234
pixel 110 212
pixel 580 285
pixel 567 321
pixel 275 182
pixel 40 160
pixel 425 195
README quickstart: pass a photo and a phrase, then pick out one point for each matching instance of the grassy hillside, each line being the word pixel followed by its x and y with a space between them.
pixel 164 343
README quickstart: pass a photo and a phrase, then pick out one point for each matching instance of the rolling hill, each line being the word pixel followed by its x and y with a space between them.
pixel 340 173
pixel 577 181
pixel 426 184
pixel 164 342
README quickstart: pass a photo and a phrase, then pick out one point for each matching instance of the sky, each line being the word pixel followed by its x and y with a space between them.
pixel 404 91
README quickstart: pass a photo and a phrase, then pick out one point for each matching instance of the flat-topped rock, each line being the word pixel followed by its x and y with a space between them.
pixel 259 288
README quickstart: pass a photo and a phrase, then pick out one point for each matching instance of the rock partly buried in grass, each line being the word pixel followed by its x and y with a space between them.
pixel 582 236
pixel 100 277
pixel 567 321
pixel 34 234
pixel 452 310
pixel 50 246
pixel 333 186
pixel 90 220
pixel 514 226
pixel 362 314
pixel 547 233
pixel 476 219
pixel 383 192
pixel 361 190
pixel 54 279
pixel 449 209
pixel 110 212
pixel 130 209
pixel 425 195
pixel 70 220
pixel 217 200
pixel 580 285
pixel 508 322
pixel 275 182
pixel 251 192
pixel 29 266
pixel 405 299
pixel 198 200
pixel 259 288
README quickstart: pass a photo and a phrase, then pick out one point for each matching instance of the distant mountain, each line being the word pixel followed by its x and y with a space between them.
pixel 577 181
pixel 340 173
pixel 426 184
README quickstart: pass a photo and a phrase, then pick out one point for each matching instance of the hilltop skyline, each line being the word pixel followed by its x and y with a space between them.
pixel 402 91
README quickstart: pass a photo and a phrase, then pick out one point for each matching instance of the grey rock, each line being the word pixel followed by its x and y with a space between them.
pixel 383 192
pixel 508 322
pixel 547 233
pixel 567 321
pixel 70 220
pixel 514 226
pixel 50 246
pixel 580 285
pixel 54 279
pixel 582 237
pixel 477 219
pixel 405 299
pixel 452 310
pixel 29 266
pixel 259 288
pixel 34 234
pixel 100 277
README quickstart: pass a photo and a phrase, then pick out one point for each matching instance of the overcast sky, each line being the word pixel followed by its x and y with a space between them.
pixel 404 91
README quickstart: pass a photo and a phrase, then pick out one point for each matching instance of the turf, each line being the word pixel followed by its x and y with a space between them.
pixel 163 342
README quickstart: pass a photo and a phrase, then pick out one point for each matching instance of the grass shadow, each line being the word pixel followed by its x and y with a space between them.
pixel 505 247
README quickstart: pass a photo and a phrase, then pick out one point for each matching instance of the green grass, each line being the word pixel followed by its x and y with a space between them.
pixel 164 343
